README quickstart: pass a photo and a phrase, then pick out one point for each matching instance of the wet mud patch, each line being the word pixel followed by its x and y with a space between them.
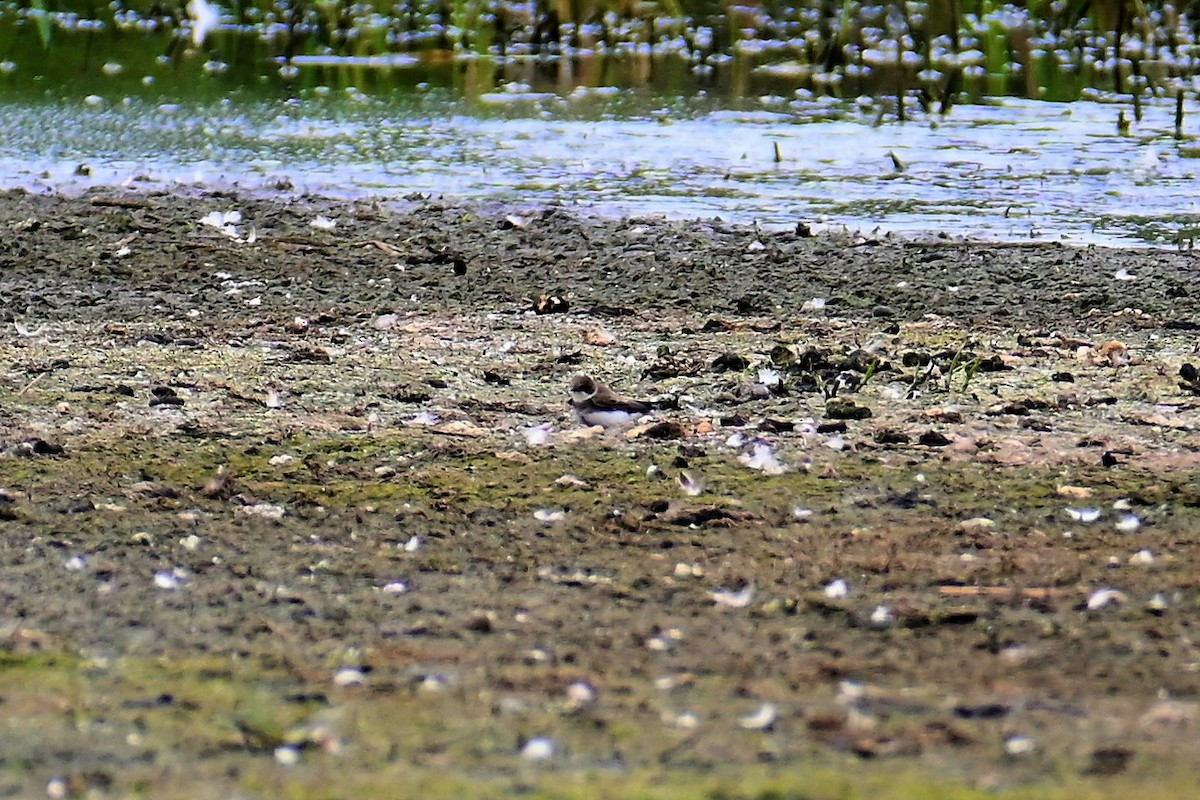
pixel 114 256
pixel 266 518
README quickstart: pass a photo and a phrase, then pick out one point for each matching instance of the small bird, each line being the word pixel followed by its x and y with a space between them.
pixel 596 404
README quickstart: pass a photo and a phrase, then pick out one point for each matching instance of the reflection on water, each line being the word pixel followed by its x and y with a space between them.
pixel 1022 170
pixel 753 128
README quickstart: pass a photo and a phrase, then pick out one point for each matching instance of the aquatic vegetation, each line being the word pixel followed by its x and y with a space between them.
pixel 925 57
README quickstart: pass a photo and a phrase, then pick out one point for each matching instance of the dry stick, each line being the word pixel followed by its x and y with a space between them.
pixel 1179 113
pixel 31 384
pixel 900 78
pixel 1136 69
pixel 956 72
pixel 1034 592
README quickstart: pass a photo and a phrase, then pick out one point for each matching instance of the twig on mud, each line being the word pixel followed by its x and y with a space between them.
pixel 119 202
pixel 1030 592
pixel 30 385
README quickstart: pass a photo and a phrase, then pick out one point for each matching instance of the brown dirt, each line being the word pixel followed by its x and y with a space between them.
pixel 217 454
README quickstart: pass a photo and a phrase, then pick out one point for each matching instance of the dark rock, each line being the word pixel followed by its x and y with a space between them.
pixel 838 408
pixel 551 304
pixel 891 436
pixel 933 439
pixel 730 362
pixel 1108 761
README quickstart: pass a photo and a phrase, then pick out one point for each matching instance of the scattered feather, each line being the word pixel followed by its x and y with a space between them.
pixel 731 599
pixel 1016 746
pixel 881 617
pixel 538 435
pixel 538 749
pixel 769 377
pixel 1123 275
pixel 1102 597
pixel 412 544
pixel 816 304
pixel 837 589
pixel 25 330
pixel 385 322
pixel 265 510
pixel 323 223
pixel 75 563
pixel 762 458
pixel 580 695
pixel 686 720
pixel 166 580
pixel 224 221
pixel 802 514
pixel 850 692
pixel 1084 515
pixel 548 516
pixel 348 676
pixel 760 720
pixel 1142 558
pixel 288 755
pixel 424 419
pixel 395 587
pixel 1129 523
pixel 432 684
pixel 689 485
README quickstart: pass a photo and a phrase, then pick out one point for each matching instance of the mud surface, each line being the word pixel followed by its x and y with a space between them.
pixel 286 508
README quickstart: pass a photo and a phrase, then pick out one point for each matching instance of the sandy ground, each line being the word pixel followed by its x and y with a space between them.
pixel 301 509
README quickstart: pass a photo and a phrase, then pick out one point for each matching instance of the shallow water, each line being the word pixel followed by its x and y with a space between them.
pixel 1015 171
pixel 635 130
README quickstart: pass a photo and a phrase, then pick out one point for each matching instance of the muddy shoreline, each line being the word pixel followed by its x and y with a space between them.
pixel 266 491
pixel 495 259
